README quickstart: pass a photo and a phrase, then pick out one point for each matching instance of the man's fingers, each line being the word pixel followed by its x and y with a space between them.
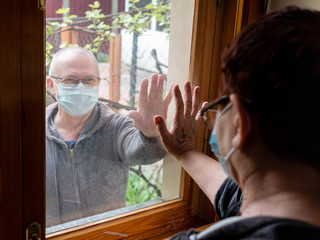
pixel 153 87
pixel 167 99
pixel 160 86
pixel 143 95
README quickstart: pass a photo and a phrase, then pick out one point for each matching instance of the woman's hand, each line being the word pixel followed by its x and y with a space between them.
pixel 182 135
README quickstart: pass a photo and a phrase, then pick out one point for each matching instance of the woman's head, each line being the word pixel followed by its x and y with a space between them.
pixel 272 65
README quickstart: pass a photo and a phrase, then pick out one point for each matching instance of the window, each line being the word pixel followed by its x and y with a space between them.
pixel 125 58
pixel 187 201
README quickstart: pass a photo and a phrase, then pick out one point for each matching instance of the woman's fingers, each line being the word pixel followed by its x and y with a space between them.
pixel 179 104
pixel 187 99
pixel 195 101
pixel 163 130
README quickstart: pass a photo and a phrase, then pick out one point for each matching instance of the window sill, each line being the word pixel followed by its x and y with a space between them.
pixel 159 221
pixel 101 216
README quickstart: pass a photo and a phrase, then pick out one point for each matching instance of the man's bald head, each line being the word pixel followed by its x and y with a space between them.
pixel 67 53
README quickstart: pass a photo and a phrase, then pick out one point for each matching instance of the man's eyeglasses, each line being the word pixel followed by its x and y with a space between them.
pixel 209 112
pixel 74 81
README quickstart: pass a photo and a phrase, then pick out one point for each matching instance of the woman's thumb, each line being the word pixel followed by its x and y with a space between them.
pixel 162 128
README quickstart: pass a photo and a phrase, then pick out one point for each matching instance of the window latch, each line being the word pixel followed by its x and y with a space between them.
pixel 42 5
pixel 33 231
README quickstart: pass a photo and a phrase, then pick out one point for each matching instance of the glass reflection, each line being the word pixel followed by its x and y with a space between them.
pixel 93 152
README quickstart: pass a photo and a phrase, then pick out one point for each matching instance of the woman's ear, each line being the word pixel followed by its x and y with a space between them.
pixel 241 121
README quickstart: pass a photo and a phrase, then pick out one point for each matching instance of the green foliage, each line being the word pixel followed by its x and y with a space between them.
pixel 102 57
pixel 139 191
pixel 136 20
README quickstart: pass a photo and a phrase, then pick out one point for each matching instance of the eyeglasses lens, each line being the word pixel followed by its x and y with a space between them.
pixel 72 82
pixel 210 117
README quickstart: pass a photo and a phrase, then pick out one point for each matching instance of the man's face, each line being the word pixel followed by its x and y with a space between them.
pixel 73 64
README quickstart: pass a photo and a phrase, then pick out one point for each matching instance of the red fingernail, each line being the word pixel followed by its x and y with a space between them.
pixel 157 120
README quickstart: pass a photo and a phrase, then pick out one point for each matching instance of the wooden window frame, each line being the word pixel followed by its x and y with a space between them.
pixel 22 140
pixel 22 104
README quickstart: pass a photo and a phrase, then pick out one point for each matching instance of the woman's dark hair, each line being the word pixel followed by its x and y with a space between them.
pixel 273 65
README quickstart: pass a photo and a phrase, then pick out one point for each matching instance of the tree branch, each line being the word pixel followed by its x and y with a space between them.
pixel 140 173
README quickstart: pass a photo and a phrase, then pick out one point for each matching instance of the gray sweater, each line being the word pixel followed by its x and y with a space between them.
pixel 92 177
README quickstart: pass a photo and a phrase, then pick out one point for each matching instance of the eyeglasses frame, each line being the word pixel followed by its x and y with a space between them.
pixel 60 78
pixel 212 104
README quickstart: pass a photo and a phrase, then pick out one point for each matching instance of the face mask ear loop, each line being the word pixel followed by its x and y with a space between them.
pixel 58 89
pixel 224 110
pixel 226 158
pixel 226 163
pixel 230 153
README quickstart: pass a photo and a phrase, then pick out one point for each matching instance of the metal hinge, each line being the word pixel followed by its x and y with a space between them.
pixel 33 231
pixel 42 5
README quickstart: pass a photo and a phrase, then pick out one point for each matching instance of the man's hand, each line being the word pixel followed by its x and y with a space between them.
pixel 150 104
pixel 182 135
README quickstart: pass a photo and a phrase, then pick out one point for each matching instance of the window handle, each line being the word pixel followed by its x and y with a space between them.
pixel 33 231
pixel 42 5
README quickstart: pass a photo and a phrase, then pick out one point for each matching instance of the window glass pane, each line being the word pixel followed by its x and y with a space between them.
pixel 89 175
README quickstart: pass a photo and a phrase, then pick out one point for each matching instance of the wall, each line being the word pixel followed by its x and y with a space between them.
pixel 276 4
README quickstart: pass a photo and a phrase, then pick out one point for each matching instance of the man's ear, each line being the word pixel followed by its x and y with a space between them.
pixel 50 86
pixel 241 121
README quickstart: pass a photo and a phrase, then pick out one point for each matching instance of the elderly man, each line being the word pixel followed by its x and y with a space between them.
pixel 89 148
pixel 262 133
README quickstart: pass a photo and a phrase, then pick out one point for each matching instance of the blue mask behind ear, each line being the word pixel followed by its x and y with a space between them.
pixel 213 142
pixel 224 161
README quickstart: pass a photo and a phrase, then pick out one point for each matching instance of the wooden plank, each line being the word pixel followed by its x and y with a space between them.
pixel 239 17
pixel 252 9
pixel 215 25
pixel 33 108
pixel 148 223
pixel 115 68
pixel 203 49
pixel 11 207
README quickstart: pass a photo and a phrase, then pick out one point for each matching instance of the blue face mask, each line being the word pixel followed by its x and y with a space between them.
pixel 79 100
pixel 224 161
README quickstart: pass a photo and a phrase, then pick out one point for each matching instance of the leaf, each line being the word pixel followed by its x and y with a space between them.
pixel 141 20
pixel 63 10
pixel 101 25
pixel 48 46
pixel 49 30
pixel 87 46
pixel 55 23
pixel 62 45
pixel 96 4
pixel 150 6
pixel 94 50
pixel 89 14
pixel 97 39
